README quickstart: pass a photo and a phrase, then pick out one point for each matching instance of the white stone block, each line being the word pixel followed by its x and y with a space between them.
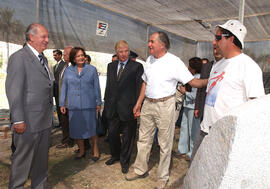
pixel 236 152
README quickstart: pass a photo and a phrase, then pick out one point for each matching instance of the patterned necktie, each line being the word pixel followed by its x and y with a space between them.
pixel 41 60
pixel 120 71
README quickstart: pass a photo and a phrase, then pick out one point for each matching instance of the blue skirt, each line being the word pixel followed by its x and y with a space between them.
pixel 82 123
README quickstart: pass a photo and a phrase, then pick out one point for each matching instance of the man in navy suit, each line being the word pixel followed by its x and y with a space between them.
pixel 121 93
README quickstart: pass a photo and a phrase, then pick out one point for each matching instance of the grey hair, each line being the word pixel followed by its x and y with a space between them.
pixel 31 29
pixel 163 37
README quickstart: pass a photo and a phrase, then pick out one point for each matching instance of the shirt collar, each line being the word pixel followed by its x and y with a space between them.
pixel 123 62
pixel 36 53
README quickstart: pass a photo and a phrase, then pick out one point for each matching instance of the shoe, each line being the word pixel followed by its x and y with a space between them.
pixel 133 176
pixel 178 155
pixel 124 170
pixel 95 158
pixel 112 161
pixel 65 145
pixel 78 150
pixel 187 158
pixel 79 157
pixel 160 184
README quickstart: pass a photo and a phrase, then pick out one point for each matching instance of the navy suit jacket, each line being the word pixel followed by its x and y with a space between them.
pixel 121 96
pixel 82 90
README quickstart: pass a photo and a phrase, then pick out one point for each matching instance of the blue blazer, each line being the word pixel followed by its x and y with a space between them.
pixel 82 90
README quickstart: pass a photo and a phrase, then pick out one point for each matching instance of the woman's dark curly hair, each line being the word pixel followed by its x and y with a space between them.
pixel 73 53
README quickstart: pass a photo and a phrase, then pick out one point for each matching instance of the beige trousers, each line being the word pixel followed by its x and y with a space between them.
pixel 156 115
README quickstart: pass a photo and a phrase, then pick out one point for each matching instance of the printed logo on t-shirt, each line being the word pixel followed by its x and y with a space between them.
pixel 213 88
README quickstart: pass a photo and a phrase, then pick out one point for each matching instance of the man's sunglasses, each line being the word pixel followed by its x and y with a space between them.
pixel 219 37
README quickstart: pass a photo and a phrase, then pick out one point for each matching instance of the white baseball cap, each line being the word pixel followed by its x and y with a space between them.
pixel 236 28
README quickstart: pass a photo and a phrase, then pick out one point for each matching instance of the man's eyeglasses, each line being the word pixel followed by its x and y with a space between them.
pixel 219 37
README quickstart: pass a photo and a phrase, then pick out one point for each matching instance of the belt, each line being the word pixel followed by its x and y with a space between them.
pixel 160 99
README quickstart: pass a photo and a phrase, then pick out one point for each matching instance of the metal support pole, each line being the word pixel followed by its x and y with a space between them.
pixel 147 39
pixel 241 11
pixel 37 11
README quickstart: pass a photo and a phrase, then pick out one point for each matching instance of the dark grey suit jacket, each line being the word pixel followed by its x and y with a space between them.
pixel 201 92
pixel 56 71
pixel 121 96
pixel 29 91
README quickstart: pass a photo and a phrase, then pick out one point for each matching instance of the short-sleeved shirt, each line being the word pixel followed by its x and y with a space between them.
pixel 231 83
pixel 161 75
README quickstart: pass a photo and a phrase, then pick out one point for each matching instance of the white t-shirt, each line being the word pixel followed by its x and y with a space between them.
pixel 231 83
pixel 161 75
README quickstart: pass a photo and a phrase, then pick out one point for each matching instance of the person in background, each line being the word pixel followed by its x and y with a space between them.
pixel 114 58
pixel 66 140
pixel 201 93
pixel 189 124
pixel 57 55
pixel 133 55
pixel 87 59
pixel 205 61
pixel 81 87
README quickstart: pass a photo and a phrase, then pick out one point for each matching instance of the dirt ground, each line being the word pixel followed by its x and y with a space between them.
pixel 65 172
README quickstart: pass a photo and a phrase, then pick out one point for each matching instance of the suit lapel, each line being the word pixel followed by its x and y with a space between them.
pixel 35 62
pixel 125 71
pixel 114 70
pixel 83 71
pixel 60 66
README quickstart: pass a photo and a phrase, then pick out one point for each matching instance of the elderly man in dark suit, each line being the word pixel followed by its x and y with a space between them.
pixel 29 89
pixel 66 140
pixel 58 67
pixel 121 93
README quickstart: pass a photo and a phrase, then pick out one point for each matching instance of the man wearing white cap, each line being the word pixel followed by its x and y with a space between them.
pixel 233 80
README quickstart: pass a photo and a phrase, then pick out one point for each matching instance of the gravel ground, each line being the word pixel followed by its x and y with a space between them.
pixel 65 172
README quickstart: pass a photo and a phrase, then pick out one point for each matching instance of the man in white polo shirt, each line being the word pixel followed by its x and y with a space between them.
pixel 233 80
pixel 162 72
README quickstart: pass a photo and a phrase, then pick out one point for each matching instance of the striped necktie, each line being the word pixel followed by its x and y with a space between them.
pixel 41 60
pixel 120 71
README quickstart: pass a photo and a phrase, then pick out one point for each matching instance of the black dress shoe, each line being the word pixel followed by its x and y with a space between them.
pixel 111 161
pixel 79 157
pixel 78 150
pixel 124 170
pixel 95 158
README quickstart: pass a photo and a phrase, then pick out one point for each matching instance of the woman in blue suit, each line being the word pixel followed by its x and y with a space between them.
pixel 81 90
